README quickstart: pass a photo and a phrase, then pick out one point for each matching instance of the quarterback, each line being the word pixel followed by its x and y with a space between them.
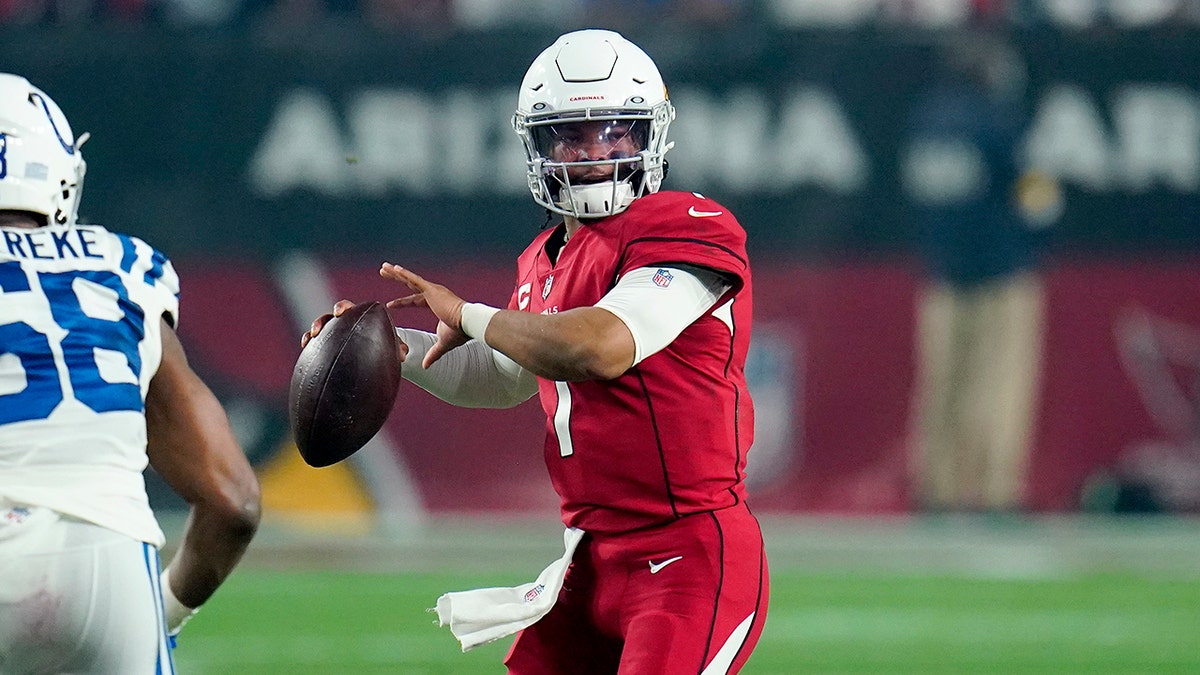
pixel 630 320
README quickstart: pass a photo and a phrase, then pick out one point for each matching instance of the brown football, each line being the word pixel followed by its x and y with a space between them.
pixel 344 384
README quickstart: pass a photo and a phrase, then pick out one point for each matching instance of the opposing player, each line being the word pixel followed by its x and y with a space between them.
pixel 631 319
pixel 93 385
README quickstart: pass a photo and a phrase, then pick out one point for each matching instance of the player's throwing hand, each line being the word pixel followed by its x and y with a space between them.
pixel 443 302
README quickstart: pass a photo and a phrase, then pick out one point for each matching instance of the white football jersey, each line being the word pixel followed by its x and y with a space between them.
pixel 80 339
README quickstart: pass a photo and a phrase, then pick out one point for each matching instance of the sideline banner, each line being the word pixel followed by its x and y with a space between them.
pixel 831 372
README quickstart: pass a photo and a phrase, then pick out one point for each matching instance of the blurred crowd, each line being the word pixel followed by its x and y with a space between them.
pixel 379 13
pixel 217 12
pixel 1064 14
pixel 1069 14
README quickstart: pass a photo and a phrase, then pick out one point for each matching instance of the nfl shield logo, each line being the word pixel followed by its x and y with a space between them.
pixel 546 287
pixel 533 593
pixel 663 278
pixel 17 515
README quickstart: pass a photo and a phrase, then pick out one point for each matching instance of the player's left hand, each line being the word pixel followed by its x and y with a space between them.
pixel 443 302
pixel 338 309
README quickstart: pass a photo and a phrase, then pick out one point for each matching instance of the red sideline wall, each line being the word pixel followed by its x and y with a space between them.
pixel 832 376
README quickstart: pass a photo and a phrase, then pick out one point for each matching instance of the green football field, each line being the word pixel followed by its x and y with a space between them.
pixel 909 596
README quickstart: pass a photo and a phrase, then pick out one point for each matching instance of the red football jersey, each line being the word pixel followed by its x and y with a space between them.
pixel 669 436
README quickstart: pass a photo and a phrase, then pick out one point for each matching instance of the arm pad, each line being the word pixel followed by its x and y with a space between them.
pixel 656 314
pixel 471 376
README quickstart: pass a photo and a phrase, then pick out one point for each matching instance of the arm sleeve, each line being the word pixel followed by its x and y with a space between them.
pixel 471 376
pixel 658 303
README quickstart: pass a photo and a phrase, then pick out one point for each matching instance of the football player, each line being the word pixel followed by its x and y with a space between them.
pixel 93 385
pixel 631 320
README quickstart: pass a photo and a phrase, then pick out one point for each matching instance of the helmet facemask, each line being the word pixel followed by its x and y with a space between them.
pixel 590 168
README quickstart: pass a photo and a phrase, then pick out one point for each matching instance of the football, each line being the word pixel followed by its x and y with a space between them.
pixel 344 384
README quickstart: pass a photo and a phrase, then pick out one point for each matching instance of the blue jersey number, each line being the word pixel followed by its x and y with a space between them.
pixel 85 334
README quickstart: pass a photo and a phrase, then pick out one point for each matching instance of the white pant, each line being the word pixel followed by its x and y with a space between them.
pixel 77 598
pixel 980 361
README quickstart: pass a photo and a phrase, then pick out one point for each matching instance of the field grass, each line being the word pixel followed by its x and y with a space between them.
pixel 843 601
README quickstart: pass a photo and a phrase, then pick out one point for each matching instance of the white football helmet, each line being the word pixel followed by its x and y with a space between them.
pixel 41 168
pixel 593 76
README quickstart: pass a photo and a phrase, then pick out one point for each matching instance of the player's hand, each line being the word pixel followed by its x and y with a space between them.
pixel 444 304
pixel 338 309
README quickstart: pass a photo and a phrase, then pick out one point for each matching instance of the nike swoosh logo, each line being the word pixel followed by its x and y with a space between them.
pixel 702 214
pixel 656 567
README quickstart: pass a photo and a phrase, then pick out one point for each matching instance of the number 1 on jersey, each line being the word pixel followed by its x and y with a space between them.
pixel 562 420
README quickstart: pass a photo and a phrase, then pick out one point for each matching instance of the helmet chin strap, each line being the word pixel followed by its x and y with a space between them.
pixel 596 200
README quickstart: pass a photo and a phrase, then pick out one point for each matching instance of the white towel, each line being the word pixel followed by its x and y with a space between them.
pixel 487 614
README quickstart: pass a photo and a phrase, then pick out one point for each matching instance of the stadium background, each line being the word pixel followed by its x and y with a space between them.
pixel 277 157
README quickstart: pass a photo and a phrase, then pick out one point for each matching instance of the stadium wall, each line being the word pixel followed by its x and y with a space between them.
pixel 231 149
pixel 831 371
pixel 332 137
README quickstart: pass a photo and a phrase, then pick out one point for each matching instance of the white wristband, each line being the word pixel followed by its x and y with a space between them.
pixel 475 319
pixel 175 611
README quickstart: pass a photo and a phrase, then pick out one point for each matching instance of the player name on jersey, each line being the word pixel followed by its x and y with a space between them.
pixel 54 244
